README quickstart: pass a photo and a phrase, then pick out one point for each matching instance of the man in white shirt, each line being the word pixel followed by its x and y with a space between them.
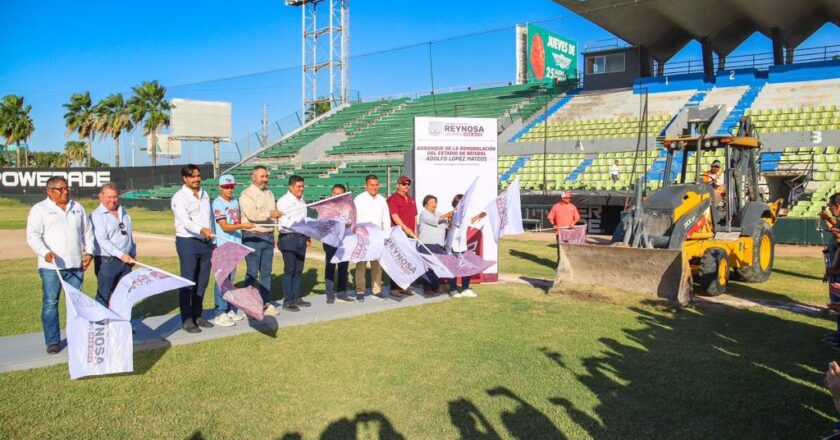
pixel 193 233
pixel 58 231
pixel 113 243
pixel 292 244
pixel 614 170
pixel 371 207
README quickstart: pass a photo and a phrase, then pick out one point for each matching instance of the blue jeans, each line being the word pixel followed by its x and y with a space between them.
pixel 222 306
pixel 51 290
pixel 194 256
pixel 293 247
pixel 334 284
pixel 431 281
pixel 108 271
pixel 258 263
pixel 453 282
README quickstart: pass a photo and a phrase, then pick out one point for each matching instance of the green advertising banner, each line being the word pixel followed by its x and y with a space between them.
pixel 550 55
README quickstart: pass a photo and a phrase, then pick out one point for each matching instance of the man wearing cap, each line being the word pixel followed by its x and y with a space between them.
pixel 228 227
pixel 714 177
pixel 113 244
pixel 257 205
pixel 403 214
pixel 193 242
pixel 563 215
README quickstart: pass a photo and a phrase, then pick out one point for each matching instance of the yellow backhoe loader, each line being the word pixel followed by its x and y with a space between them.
pixel 691 231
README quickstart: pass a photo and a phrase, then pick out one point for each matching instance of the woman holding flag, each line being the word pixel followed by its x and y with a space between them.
pixel 457 247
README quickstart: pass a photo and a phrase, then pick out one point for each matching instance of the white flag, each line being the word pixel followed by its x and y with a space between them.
pixel 460 222
pixel 505 212
pixel 330 231
pixel 400 259
pixel 365 243
pixel 98 340
pixel 434 263
pixel 141 284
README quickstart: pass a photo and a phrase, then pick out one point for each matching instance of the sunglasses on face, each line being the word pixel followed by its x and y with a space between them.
pixel 123 230
pixel 62 189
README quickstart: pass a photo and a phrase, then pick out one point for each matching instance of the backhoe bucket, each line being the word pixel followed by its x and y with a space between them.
pixel 660 272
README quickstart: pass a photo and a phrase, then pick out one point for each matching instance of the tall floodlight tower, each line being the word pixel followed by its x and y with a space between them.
pixel 325 46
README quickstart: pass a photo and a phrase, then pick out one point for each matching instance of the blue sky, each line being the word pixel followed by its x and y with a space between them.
pixel 50 50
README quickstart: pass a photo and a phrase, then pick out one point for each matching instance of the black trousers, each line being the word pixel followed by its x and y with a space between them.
pixel 109 271
pixel 194 255
pixel 339 284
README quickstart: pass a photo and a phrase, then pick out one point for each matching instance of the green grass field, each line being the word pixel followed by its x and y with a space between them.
pixel 516 362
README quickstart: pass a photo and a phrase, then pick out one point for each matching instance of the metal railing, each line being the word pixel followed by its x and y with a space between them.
pixel 761 60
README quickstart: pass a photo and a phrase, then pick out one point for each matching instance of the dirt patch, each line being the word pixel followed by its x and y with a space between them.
pixel 14 245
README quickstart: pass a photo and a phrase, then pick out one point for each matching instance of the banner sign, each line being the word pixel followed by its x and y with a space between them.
pixel 449 155
pixel 550 55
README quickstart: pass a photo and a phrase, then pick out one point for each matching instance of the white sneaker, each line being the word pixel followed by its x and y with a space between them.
pixel 454 294
pixel 270 310
pixel 224 320
pixel 234 316
pixel 468 293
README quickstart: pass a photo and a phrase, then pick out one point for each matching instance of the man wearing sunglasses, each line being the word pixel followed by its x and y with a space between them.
pixel 403 214
pixel 113 244
pixel 59 231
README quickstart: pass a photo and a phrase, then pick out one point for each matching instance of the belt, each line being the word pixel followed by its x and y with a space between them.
pixel 202 240
pixel 261 234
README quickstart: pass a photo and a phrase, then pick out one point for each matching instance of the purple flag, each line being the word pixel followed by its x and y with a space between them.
pixel 337 207
pixel 247 299
pixel 465 265
pixel 329 231
pixel 575 235
pixel 225 258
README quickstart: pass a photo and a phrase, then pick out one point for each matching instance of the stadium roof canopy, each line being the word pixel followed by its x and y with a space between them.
pixel 664 27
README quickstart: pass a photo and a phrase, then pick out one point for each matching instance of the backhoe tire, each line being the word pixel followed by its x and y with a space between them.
pixel 761 263
pixel 714 272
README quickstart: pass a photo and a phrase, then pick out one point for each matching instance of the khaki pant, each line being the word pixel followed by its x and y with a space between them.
pixel 375 273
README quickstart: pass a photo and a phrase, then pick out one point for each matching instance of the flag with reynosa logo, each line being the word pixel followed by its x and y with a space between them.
pixel 400 259
pixel 573 235
pixel 460 222
pixel 364 243
pixel 329 231
pixel 98 340
pixel 247 299
pixel 337 207
pixel 505 212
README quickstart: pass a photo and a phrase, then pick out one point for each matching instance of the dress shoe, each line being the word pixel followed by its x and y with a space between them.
pixel 201 322
pixel 53 349
pixel 190 327
pixel 302 303
pixel 291 308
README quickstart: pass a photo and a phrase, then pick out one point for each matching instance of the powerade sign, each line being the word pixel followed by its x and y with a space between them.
pixel 30 179
pixel 550 55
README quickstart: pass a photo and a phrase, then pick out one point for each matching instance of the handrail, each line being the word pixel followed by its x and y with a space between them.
pixel 759 60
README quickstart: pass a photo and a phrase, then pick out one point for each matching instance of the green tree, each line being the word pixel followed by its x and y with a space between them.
pixel 112 119
pixel 149 105
pixel 75 152
pixel 15 123
pixel 81 119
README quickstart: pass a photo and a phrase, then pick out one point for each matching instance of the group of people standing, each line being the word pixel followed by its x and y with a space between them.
pixel 67 241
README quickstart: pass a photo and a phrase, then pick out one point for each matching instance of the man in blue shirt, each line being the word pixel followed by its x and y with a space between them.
pixel 228 227
pixel 113 244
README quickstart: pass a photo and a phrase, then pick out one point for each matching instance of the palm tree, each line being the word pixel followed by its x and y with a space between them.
pixel 149 105
pixel 113 118
pixel 15 123
pixel 74 151
pixel 81 119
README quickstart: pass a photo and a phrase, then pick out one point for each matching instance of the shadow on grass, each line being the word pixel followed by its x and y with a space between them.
pixel 713 372
pixel 551 264
pixel 796 274
pixel 363 425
